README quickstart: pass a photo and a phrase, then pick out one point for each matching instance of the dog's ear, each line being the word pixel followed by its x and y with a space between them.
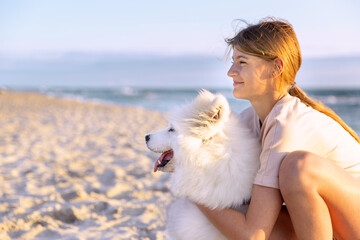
pixel 215 114
pixel 213 118
pixel 218 108
pixel 204 117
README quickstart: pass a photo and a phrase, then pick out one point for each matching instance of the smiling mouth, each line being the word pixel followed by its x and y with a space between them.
pixel 163 159
pixel 237 83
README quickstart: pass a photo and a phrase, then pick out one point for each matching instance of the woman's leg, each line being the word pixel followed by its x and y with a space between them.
pixel 322 199
pixel 283 229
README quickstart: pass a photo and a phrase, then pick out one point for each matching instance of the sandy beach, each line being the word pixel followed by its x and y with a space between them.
pixel 78 170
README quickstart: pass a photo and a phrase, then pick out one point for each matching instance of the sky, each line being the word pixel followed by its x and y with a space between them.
pixel 165 43
pixel 186 27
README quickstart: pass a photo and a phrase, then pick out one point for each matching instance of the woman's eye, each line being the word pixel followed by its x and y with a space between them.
pixel 171 130
pixel 238 62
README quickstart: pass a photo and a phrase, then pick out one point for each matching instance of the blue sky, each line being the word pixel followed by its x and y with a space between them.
pixel 47 28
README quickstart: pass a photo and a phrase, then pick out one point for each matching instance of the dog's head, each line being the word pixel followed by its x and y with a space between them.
pixel 193 125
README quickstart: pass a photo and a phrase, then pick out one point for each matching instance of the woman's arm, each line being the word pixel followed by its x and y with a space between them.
pixel 259 220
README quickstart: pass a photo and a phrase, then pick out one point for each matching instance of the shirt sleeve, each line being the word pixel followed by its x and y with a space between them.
pixel 271 155
pixel 283 134
pixel 278 139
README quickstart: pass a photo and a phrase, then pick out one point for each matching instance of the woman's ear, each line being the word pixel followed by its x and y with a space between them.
pixel 278 67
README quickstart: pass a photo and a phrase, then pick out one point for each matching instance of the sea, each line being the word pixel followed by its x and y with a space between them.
pixel 345 102
pixel 160 83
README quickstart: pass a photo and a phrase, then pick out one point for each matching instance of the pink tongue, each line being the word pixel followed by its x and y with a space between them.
pixel 165 156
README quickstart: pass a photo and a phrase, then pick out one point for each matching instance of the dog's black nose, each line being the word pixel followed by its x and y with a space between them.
pixel 147 138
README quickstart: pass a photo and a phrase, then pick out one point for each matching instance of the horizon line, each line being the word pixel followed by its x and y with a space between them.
pixel 46 55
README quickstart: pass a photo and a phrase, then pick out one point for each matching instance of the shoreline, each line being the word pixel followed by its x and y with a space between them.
pixel 75 170
pixel 77 98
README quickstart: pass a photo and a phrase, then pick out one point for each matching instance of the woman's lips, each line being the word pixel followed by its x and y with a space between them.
pixel 237 83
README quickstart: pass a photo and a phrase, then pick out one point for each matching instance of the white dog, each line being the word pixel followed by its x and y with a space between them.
pixel 214 158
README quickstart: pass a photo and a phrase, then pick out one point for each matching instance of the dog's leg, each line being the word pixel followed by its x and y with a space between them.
pixel 186 221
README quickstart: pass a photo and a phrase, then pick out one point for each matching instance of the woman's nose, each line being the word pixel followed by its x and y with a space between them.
pixel 231 72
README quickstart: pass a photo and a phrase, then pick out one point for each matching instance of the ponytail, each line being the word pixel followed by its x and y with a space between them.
pixel 319 106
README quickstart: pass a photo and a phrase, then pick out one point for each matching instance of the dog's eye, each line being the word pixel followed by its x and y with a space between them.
pixel 171 130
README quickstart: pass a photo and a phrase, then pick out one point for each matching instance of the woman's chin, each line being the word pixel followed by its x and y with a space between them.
pixel 238 94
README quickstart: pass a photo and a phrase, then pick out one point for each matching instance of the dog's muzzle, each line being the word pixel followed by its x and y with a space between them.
pixel 163 159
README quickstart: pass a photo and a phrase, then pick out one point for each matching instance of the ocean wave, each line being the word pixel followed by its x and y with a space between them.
pixel 338 100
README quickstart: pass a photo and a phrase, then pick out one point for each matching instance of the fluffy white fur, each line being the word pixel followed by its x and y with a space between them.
pixel 215 160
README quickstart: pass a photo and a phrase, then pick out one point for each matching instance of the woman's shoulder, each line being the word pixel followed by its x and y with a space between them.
pixel 292 118
pixel 285 106
pixel 290 109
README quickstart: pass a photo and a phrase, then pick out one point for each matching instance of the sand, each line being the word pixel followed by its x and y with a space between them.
pixel 78 170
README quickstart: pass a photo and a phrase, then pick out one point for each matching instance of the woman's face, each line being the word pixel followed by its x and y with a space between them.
pixel 252 76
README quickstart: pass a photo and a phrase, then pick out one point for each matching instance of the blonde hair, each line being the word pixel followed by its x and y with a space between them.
pixel 270 39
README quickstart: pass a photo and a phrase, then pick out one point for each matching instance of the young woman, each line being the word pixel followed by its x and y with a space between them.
pixel 310 158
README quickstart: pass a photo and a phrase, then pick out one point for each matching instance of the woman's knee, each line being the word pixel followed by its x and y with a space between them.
pixel 297 171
